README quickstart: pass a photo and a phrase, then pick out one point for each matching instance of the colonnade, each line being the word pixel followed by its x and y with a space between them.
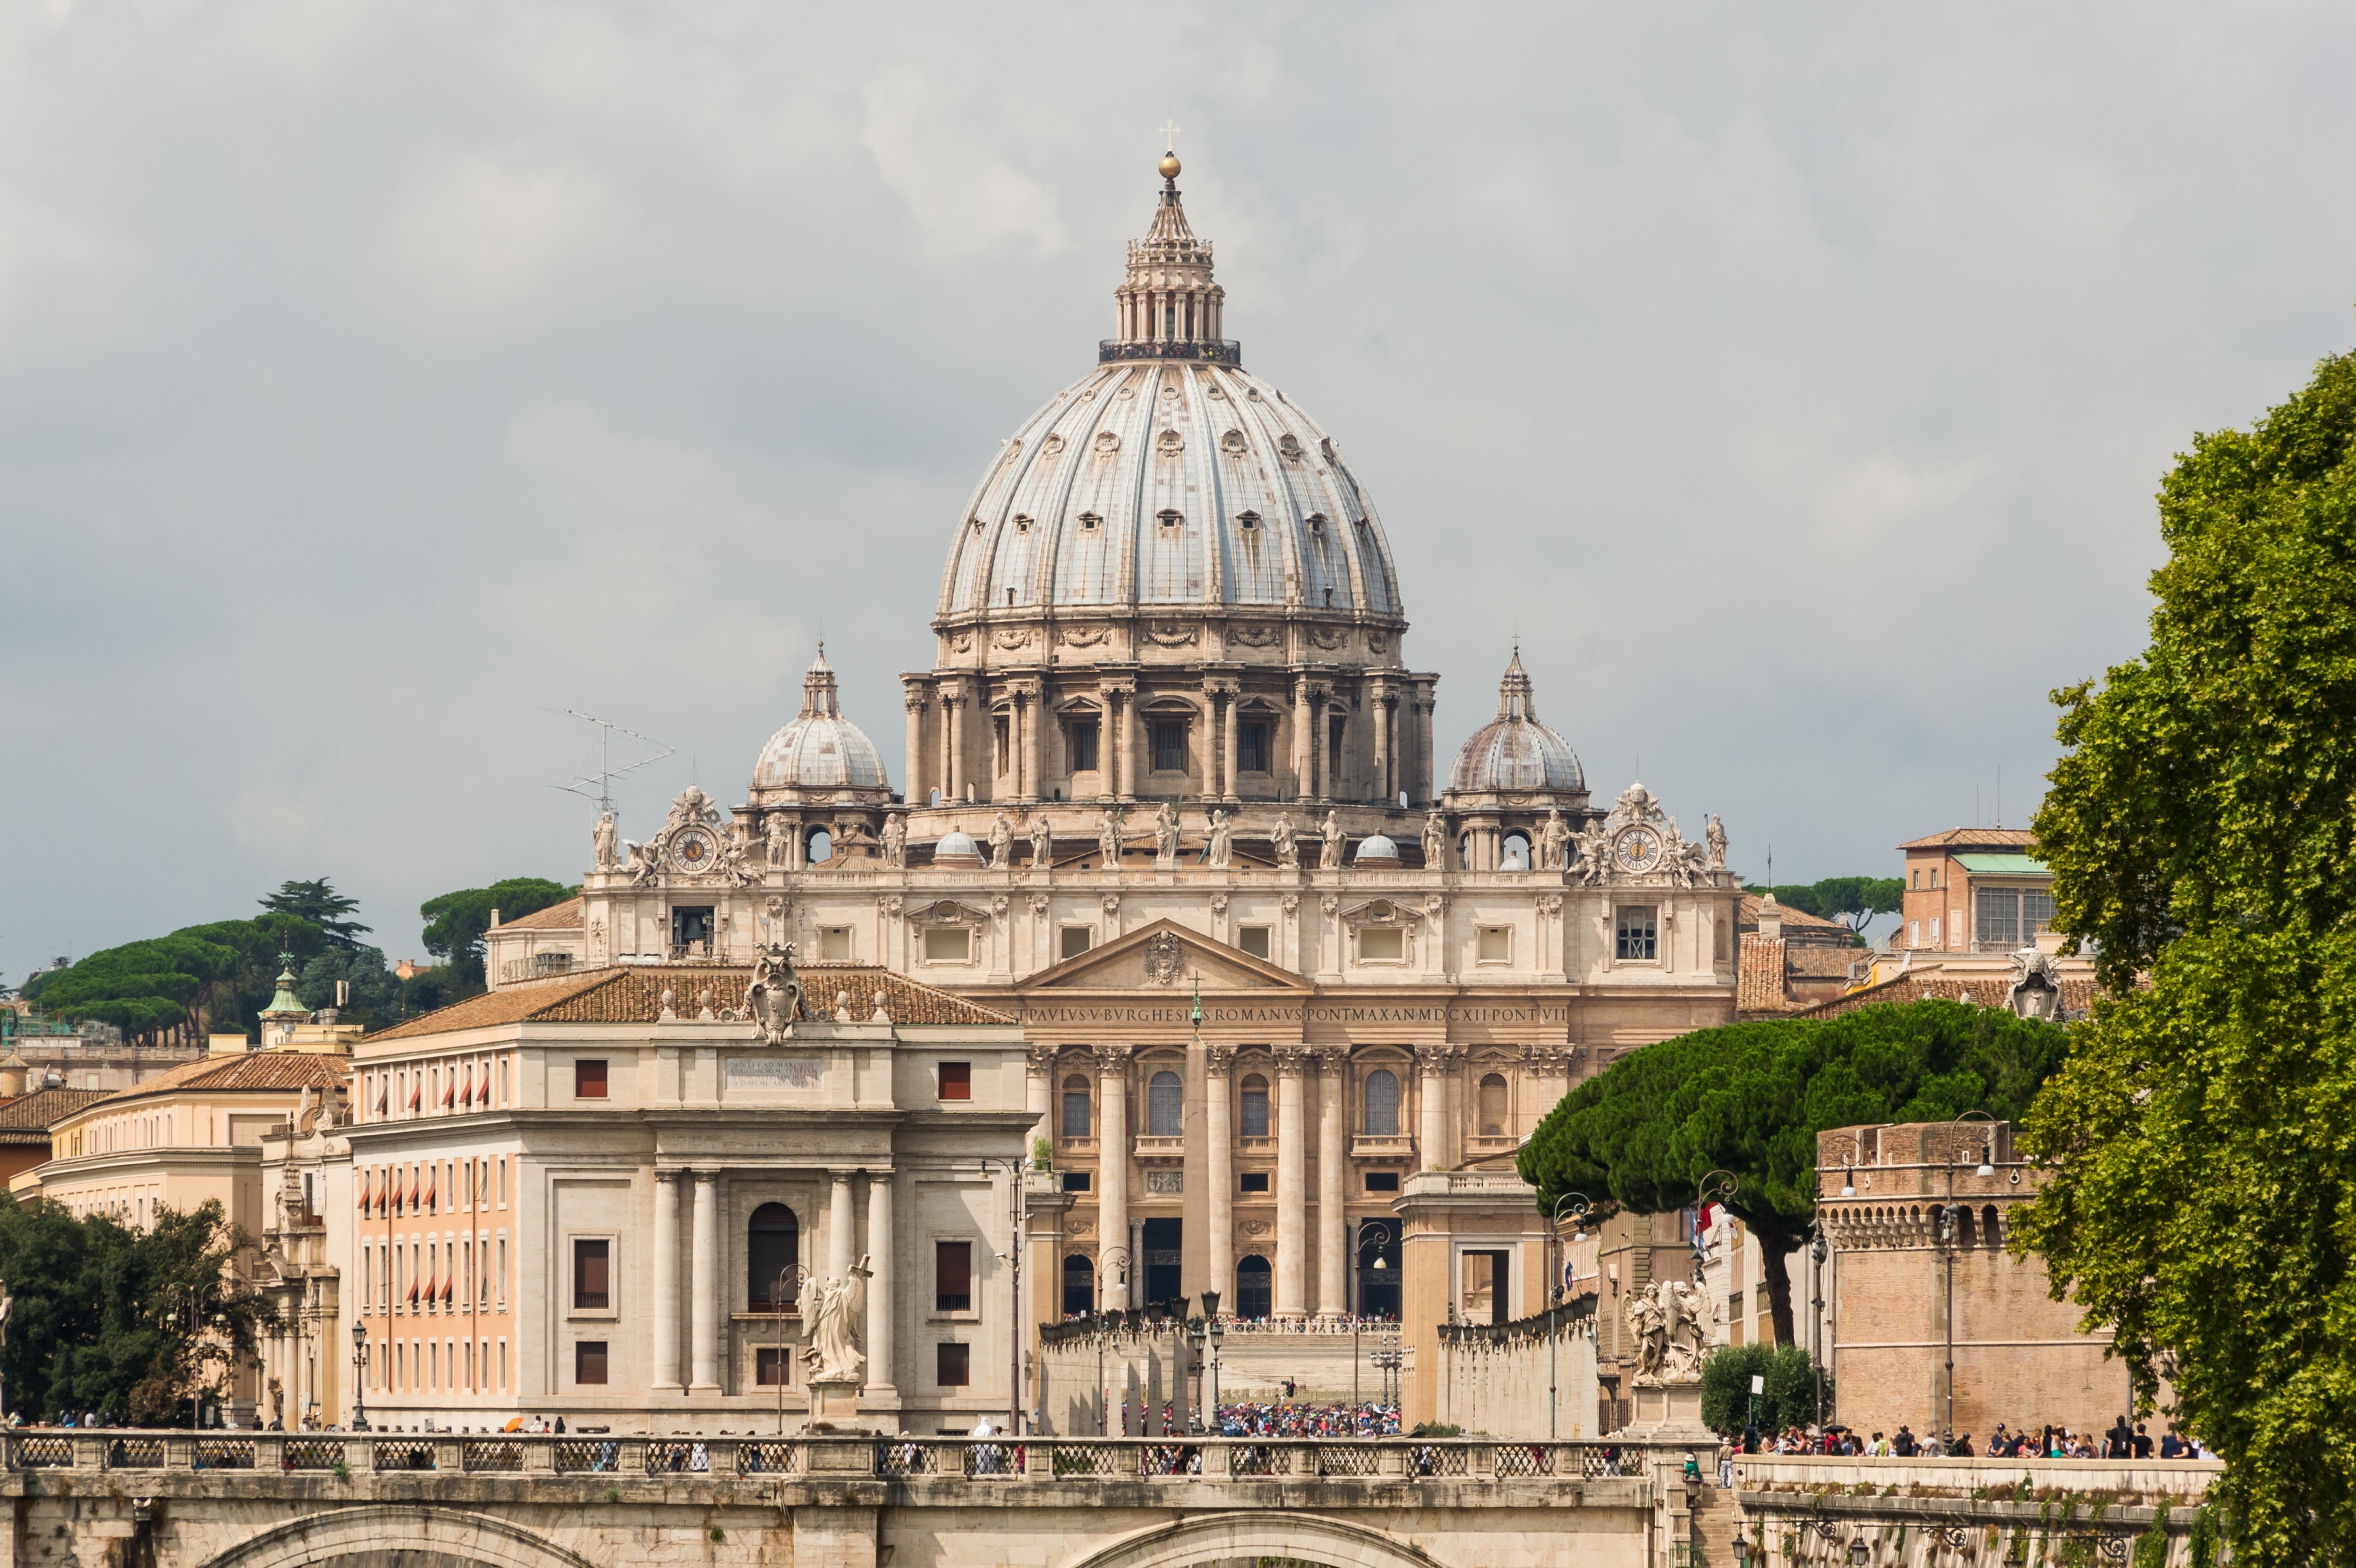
pixel 711 1295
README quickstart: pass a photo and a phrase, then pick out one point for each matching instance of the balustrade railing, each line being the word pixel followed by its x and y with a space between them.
pixel 727 1459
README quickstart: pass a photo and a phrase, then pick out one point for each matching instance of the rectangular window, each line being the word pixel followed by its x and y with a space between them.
pixel 589 1361
pixel 590 1291
pixel 1486 1299
pixel 1254 1110
pixel 1084 746
pixel 1934 930
pixel 834 944
pixel 1169 747
pixel 1253 1181
pixel 773 1365
pixel 952 1276
pixel 2036 913
pixel 952 1366
pixel 588 1080
pixel 503 1284
pixel 1381 944
pixel 1005 756
pixel 1251 748
pixel 956 1080
pixel 1333 748
pixel 503 1181
pixel 1074 940
pixel 1076 1181
pixel 1075 1113
pixel 1638 937
pixel 1253 940
pixel 1999 917
pixel 1496 944
pixel 1382 1181
pixel 1913 933
pixel 949 944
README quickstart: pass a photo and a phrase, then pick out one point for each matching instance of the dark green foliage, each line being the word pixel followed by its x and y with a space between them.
pixel 375 994
pixel 1789 1398
pixel 1855 899
pixel 317 903
pixel 1750 1098
pixel 132 1322
pixel 456 921
pixel 142 988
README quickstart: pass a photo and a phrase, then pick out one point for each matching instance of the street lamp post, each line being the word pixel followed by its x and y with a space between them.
pixel 1212 1334
pixel 1817 1251
pixel 1554 1286
pixel 1013 1258
pixel 1950 1217
pixel 360 1375
pixel 1104 1262
pixel 7 1306
pixel 788 1286
pixel 1382 1234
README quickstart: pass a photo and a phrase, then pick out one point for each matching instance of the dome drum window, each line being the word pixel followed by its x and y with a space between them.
pixel 1169 444
pixel 1247 522
pixel 1088 521
pixel 1170 520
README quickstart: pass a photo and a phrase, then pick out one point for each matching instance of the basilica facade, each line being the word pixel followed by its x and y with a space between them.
pixel 1168 799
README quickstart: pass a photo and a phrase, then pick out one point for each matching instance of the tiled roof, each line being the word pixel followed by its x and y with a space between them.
pixel 28 1118
pixel 1988 990
pixel 247 1072
pixel 1758 977
pixel 634 995
pixel 1798 923
pixel 562 916
pixel 1813 960
pixel 1995 838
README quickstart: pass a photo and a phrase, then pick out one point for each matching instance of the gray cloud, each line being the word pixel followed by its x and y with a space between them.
pixel 374 378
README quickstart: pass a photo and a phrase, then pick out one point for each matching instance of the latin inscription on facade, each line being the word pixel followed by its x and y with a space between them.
pixel 759 1074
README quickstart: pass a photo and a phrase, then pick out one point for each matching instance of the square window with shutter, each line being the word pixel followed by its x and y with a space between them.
pixel 592 1265
pixel 1636 932
pixel 589 1081
pixel 956 1080
pixel 949 944
pixel 952 1276
pixel 1253 940
pixel 1496 944
pixel 1381 944
pixel 589 1361
pixel 952 1364
pixel 834 944
pixel 773 1365
pixel 1253 1181
pixel 1074 940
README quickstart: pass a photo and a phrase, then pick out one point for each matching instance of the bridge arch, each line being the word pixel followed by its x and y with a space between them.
pixel 410 1535
pixel 1222 1538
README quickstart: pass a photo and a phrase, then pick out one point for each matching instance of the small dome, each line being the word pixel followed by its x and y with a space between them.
pixel 958 851
pixel 820 749
pixel 1515 751
pixel 1375 847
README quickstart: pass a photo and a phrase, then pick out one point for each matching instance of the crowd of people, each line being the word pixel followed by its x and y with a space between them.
pixel 1308 1421
pixel 2121 1442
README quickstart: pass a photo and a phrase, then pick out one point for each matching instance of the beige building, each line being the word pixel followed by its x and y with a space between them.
pixel 1975 890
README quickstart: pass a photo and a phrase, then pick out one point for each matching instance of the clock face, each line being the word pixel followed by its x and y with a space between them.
pixel 1638 850
pixel 695 850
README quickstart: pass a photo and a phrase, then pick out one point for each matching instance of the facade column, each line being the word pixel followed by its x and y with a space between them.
pixel 1123 708
pixel 913 699
pixel 1292 1186
pixel 1304 751
pixel 1383 787
pixel 1209 748
pixel 881 1299
pixel 1220 1256
pixel 1423 704
pixel 955 764
pixel 1028 704
pixel 1333 1166
pixel 1229 722
pixel 839 1239
pixel 666 1271
pixel 1112 1171
pixel 704 1358
pixel 1431 1146
pixel 1039 1087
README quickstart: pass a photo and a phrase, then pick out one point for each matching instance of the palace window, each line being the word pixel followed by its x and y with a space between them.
pixel 1084 746
pixel 1165 1102
pixel 949 944
pixel 1251 748
pixel 2011 916
pixel 772 1364
pixel 1254 940
pixel 773 1247
pixel 1252 1182
pixel 952 1276
pixel 591 1291
pixel 1638 936
pixel 1074 940
pixel 1382 1103
pixel 1169 746
pixel 1381 944
pixel 1382 1181
pixel 1496 944
pixel 1492 1106
pixel 1076 1181
pixel 952 1366
pixel 1255 1107
pixel 956 1080
pixel 588 1080
pixel 589 1361
pixel 1075 1107
pixel 1005 752
pixel 834 944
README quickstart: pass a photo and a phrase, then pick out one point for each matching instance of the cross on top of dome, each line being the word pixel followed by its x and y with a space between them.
pixel 1169 306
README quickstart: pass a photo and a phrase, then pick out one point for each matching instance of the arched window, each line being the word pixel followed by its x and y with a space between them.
pixel 1165 1105
pixel 1075 1107
pixel 1253 1278
pixel 1079 1286
pixel 773 1250
pixel 1255 1106
pixel 1382 1103
pixel 1516 855
pixel 821 846
pixel 1492 1107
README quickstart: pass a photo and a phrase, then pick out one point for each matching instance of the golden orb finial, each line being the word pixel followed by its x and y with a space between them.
pixel 1170 166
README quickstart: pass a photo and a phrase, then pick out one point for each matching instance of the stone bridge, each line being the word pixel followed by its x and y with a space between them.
pixel 128 1500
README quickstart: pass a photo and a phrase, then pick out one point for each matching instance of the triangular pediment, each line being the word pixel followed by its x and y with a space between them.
pixel 1166 956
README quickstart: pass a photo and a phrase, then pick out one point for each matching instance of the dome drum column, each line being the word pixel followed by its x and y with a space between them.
pixel 912 698
pixel 1023 698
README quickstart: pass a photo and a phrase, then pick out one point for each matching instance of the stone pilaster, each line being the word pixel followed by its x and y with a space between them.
pixel 1292 1186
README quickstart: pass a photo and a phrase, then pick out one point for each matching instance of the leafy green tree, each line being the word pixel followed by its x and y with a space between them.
pixel 456 921
pixel 146 989
pixel 130 1322
pixel 1853 899
pixel 2202 828
pixel 1750 1099
pixel 375 994
pixel 319 904
pixel 1788 1400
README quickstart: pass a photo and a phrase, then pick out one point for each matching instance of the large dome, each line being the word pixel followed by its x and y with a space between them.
pixel 820 749
pixel 1514 752
pixel 1168 477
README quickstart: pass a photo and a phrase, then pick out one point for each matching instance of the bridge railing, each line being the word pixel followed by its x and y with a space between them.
pixel 989 1461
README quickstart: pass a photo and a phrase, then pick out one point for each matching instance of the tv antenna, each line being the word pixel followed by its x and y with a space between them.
pixel 602 779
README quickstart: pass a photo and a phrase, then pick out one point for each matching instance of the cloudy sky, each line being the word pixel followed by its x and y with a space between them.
pixel 375 379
